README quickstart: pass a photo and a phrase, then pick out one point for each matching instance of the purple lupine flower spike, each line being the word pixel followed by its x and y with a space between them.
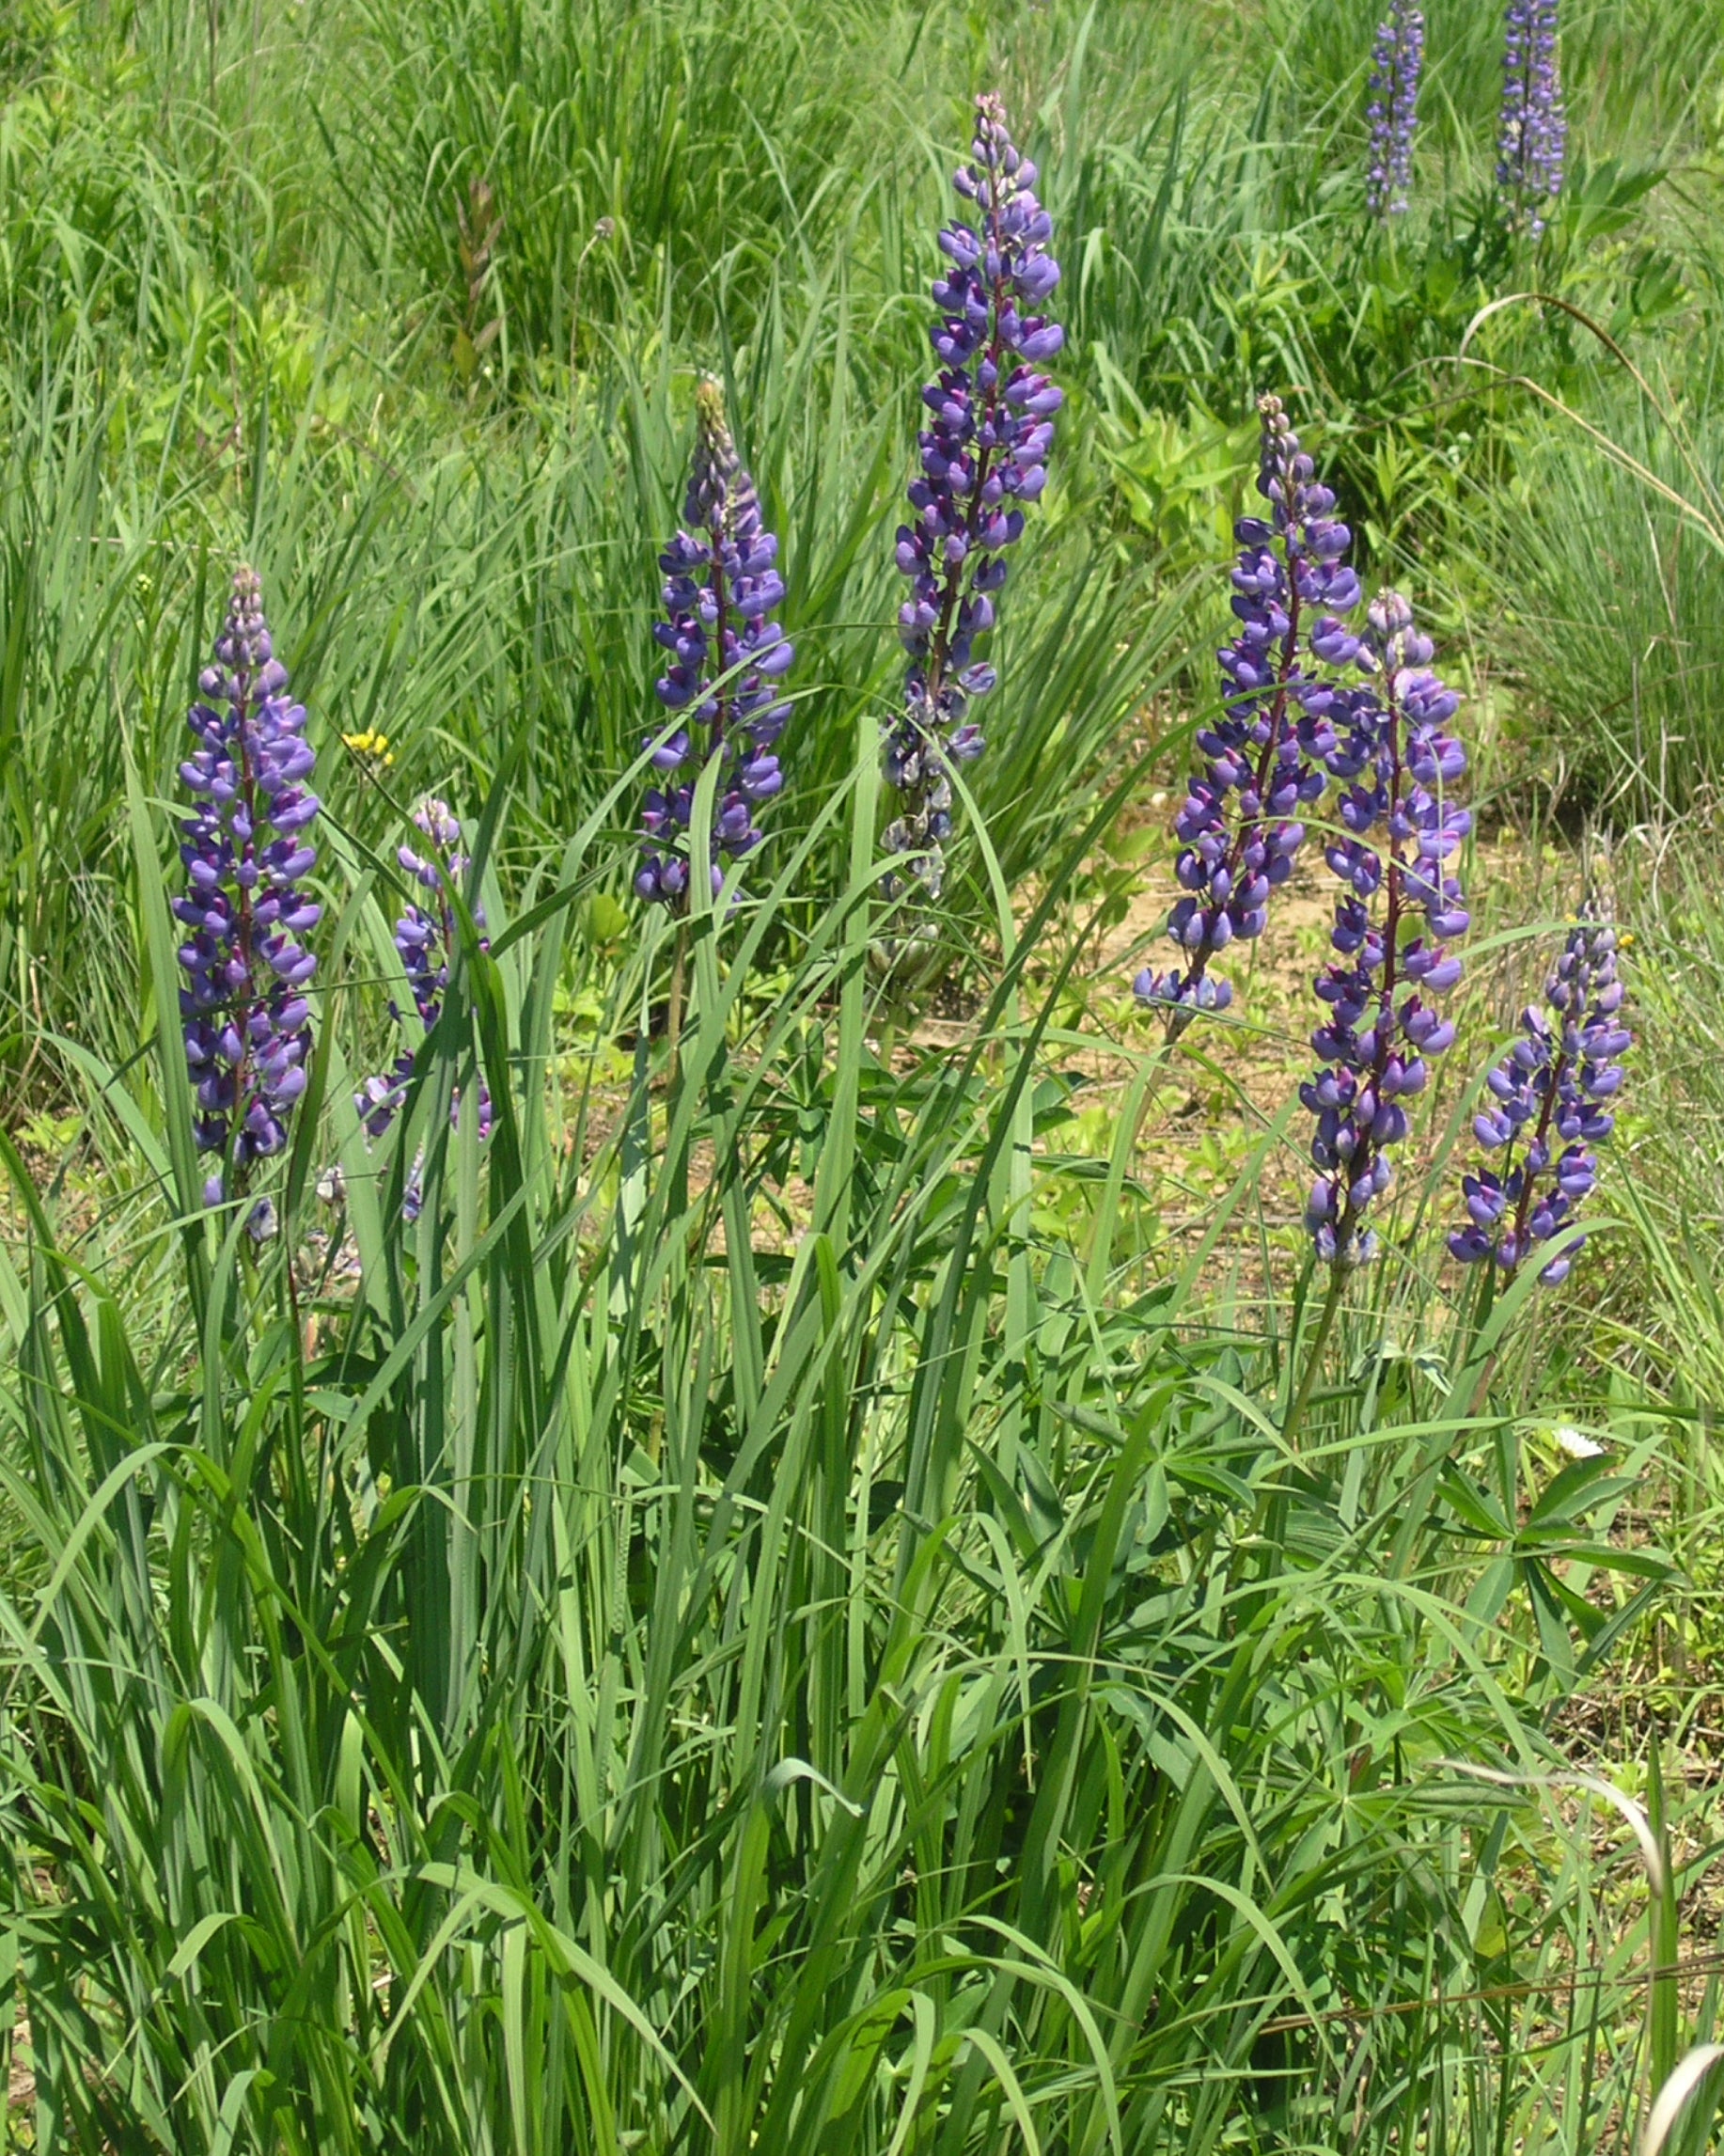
pixel 983 459
pixel 247 855
pixel 1547 1110
pixel 1240 827
pixel 1399 832
pixel 1532 132
pixel 1397 60
pixel 728 656
pixel 425 939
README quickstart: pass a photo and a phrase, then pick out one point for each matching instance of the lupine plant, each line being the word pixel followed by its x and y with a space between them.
pixel 983 458
pixel 1398 911
pixel 1265 757
pixel 247 855
pixel 1532 130
pixel 1397 60
pixel 426 940
pixel 727 656
pixel 1548 1110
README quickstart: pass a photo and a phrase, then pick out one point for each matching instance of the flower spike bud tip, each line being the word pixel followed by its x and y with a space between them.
pixel 1532 130
pixel 246 852
pixel 1548 1106
pixel 983 462
pixel 1243 820
pixel 727 659
pixel 1396 62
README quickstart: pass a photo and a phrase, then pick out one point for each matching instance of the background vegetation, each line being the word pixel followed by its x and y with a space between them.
pixel 785 1612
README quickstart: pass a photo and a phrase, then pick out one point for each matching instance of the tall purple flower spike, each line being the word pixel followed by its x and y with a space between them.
pixel 1396 62
pixel 1533 130
pixel 1396 764
pixel 425 939
pixel 1548 1109
pixel 246 854
pixel 983 458
pixel 727 657
pixel 1240 827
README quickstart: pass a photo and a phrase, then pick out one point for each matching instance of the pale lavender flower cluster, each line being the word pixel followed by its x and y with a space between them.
pixel 983 457
pixel 1398 831
pixel 1533 130
pixel 727 655
pixel 425 939
pixel 247 855
pixel 1240 824
pixel 1547 1110
pixel 1397 60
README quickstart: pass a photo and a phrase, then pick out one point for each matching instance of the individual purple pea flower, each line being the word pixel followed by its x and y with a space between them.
pixel 726 660
pixel 425 937
pixel 1241 825
pixel 984 460
pixel 1547 1108
pixel 1396 62
pixel 246 852
pixel 1532 130
pixel 1398 911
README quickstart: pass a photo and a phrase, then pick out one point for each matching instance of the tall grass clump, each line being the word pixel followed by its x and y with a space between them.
pixel 1615 557
pixel 562 1675
pixel 1678 1198
pixel 636 152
